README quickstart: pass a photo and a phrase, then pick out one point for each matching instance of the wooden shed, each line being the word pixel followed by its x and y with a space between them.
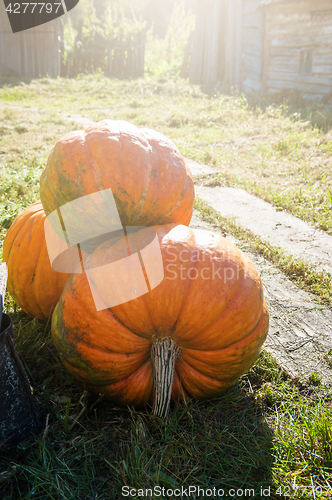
pixel 264 45
pixel 298 46
pixel 34 52
pixel 228 43
pixel 252 46
pixel 208 58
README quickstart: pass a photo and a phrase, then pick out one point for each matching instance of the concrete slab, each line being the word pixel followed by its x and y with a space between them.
pixel 279 228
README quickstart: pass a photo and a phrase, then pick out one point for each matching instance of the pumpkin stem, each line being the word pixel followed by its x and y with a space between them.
pixel 164 353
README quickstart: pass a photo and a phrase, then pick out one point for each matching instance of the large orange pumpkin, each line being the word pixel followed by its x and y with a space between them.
pixel 207 317
pixel 149 178
pixel 32 282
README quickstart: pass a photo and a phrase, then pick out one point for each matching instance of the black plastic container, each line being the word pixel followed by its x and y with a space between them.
pixel 19 416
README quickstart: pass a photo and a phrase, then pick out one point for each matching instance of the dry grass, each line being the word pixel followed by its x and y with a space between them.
pixel 268 431
pixel 270 152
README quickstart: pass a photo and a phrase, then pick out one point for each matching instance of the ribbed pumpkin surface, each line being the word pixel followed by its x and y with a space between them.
pixel 32 282
pixel 219 324
pixel 150 181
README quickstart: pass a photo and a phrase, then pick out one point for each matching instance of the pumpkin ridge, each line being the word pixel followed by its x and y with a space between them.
pixel 143 197
pixel 125 381
pixel 185 362
pixel 205 385
pixel 11 246
pixel 34 274
pixel 185 295
pixel 33 297
pixel 16 234
pixel 228 345
pixel 123 324
pixel 237 290
pixel 97 178
pixel 54 197
pixel 107 372
pixel 250 345
pixel 176 205
pixel 36 271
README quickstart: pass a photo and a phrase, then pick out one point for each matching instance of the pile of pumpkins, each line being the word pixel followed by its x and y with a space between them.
pixel 192 335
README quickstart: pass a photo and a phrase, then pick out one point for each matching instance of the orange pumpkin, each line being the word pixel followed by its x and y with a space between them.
pixel 32 282
pixel 149 179
pixel 207 318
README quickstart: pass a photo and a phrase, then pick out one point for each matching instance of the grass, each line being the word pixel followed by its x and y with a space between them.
pixel 268 432
pixel 266 148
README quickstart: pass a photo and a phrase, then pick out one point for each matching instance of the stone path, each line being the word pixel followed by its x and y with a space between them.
pixel 279 228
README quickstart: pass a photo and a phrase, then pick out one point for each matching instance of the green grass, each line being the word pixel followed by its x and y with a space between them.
pixel 266 432
pixel 269 431
pixel 269 149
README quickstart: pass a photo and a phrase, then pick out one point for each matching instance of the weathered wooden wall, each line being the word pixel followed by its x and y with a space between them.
pixel 252 43
pixel 128 59
pixel 234 43
pixel 207 62
pixel 34 52
pixel 228 43
pixel 289 30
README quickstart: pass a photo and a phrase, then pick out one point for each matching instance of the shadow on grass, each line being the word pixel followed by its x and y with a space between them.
pixel 296 105
pixel 13 80
pixel 90 448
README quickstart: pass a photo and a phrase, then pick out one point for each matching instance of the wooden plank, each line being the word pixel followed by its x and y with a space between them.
pixel 196 62
pixel 290 67
pixel 306 90
pixel 301 79
pixel 253 35
pixel 291 43
pixel 253 63
pixel 229 72
pixel 321 5
pixel 321 68
pixel 251 84
pixel 253 19
pixel 251 6
pixel 316 86
pixel 284 51
pixel 238 44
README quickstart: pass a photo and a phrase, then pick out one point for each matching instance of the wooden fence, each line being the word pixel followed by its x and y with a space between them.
pixel 122 59
pixel 128 59
pixel 34 52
